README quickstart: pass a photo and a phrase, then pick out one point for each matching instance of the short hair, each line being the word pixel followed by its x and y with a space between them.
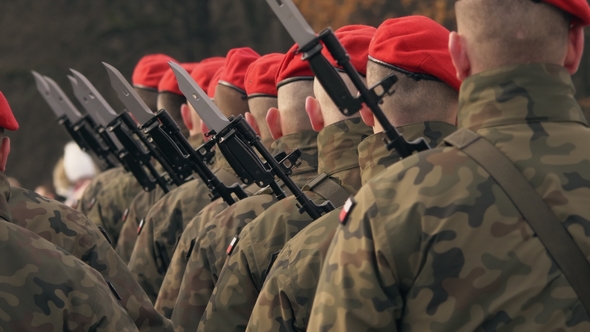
pixel 291 101
pixel 172 102
pixel 259 107
pixel 414 100
pixel 149 97
pixel 230 101
pixel 330 111
pixel 509 32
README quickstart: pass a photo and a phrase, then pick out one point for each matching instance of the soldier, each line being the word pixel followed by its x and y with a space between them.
pixel 74 233
pixel 169 215
pixel 173 101
pixel 292 129
pixel 107 197
pixel 45 288
pixel 423 105
pixel 439 241
pixel 259 82
pixel 259 242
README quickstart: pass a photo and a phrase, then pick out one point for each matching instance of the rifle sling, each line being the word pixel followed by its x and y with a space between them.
pixel 549 229
pixel 328 188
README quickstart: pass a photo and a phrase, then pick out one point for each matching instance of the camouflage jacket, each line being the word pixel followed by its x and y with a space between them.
pixel 209 251
pixel 74 233
pixel 164 224
pixel 286 297
pixel 260 241
pixel 46 289
pixel 137 210
pixel 433 243
pixel 105 199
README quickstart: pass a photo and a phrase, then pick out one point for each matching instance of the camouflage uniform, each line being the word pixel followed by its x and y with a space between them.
pixel 171 283
pixel 138 209
pixel 46 289
pixel 209 251
pixel 286 297
pixel 450 251
pixel 74 233
pixel 164 224
pixel 260 241
pixel 105 199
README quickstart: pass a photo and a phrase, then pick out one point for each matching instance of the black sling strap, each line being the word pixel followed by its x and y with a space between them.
pixel 328 188
pixel 556 239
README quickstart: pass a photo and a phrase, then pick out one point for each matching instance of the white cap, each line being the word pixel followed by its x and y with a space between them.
pixel 78 164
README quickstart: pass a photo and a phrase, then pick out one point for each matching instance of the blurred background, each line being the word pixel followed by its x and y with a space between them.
pixel 53 36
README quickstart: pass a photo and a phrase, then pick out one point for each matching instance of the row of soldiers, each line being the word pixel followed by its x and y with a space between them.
pixel 436 241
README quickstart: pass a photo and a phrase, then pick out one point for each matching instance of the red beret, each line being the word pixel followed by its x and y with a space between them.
pixel 415 45
pixel 293 68
pixel 149 70
pixel 356 40
pixel 236 64
pixel 168 83
pixel 7 120
pixel 579 9
pixel 260 76
pixel 204 71
pixel 213 83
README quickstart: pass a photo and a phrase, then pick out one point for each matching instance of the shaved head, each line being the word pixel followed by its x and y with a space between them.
pixel 330 111
pixel 230 101
pixel 291 101
pixel 414 101
pixel 508 32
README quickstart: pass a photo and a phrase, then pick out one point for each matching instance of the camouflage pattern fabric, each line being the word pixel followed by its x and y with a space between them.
pixel 162 228
pixel 73 232
pixel 138 210
pixel 260 241
pixel 46 289
pixel 107 197
pixel 171 283
pixel 286 297
pixel 433 243
pixel 209 251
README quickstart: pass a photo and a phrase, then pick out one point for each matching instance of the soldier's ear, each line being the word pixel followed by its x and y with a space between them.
pixel 187 118
pixel 575 49
pixel 4 152
pixel 367 116
pixel 458 51
pixel 273 119
pixel 252 122
pixel 314 111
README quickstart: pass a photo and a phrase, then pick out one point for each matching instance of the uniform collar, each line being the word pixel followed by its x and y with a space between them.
pixel 337 145
pixel 5 191
pixel 518 94
pixel 306 141
pixel 374 156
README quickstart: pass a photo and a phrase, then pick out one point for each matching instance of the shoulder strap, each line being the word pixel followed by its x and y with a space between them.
pixel 556 239
pixel 328 188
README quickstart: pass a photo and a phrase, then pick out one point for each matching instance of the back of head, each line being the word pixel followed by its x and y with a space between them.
pixel 355 39
pixel 171 98
pixel 147 75
pixel 507 32
pixel 230 92
pixel 414 49
pixel 262 91
pixel 294 83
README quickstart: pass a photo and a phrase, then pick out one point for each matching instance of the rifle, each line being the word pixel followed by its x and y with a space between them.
pixel 311 46
pixel 237 141
pixel 166 135
pixel 137 151
pixel 82 129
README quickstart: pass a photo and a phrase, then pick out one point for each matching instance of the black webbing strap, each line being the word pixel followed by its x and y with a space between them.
pixel 328 188
pixel 556 239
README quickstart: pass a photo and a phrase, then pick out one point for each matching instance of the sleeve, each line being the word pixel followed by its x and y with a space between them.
pixel 356 289
pixel 128 235
pixel 235 292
